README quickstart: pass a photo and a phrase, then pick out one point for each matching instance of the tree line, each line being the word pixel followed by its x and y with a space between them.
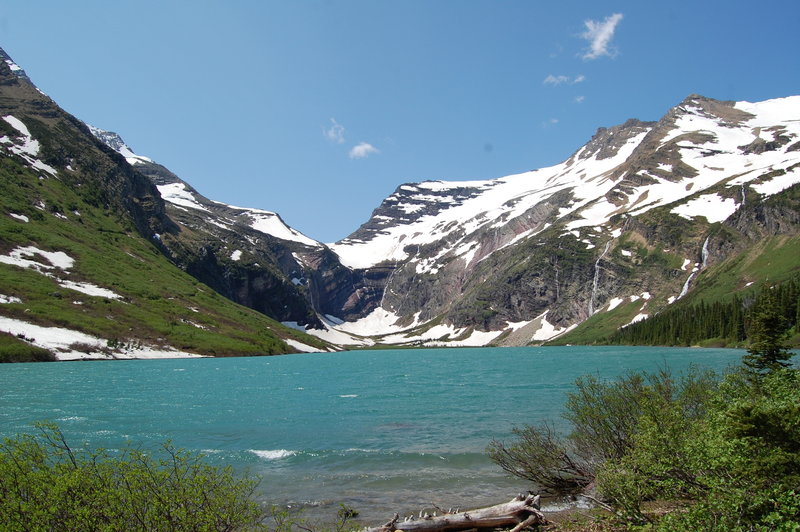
pixel 729 322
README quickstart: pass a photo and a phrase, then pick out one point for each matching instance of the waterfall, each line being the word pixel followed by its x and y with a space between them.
pixel 597 276
pixel 704 253
pixel 703 262
pixel 386 288
pixel 685 288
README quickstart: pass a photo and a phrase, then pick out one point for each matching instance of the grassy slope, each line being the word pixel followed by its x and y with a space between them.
pixel 158 298
pixel 769 261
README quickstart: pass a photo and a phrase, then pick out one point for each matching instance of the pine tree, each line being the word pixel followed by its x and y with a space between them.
pixel 768 327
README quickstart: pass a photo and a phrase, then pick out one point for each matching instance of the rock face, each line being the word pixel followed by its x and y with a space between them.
pixel 84 237
pixel 66 142
pixel 631 216
pixel 628 221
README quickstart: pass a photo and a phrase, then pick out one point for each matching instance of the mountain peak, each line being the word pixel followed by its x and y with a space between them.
pixel 15 68
pixel 115 142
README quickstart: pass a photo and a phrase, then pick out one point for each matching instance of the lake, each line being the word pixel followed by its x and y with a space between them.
pixel 382 431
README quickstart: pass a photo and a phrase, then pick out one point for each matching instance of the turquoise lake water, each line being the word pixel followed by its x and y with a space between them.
pixel 382 431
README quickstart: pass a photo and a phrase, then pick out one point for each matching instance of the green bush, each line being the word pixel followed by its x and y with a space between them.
pixel 728 452
pixel 15 350
pixel 46 485
pixel 605 418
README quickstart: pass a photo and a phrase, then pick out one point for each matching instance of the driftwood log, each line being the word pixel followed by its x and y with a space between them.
pixel 520 513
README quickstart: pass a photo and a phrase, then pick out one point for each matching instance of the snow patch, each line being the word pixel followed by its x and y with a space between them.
pixel 236 255
pixel 28 148
pixel 57 259
pixel 271 224
pixel 638 317
pixel 548 331
pixel 20 217
pixel 89 289
pixel 379 321
pixel 712 206
pixel 176 193
pixel 65 343
pixel 614 303
pixel 301 347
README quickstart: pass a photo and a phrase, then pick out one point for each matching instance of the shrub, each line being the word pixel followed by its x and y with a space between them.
pixel 46 485
pixel 605 418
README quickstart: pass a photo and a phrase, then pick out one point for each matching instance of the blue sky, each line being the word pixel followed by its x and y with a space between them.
pixel 319 109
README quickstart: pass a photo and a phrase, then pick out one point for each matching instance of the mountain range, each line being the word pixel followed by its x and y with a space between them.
pixel 106 253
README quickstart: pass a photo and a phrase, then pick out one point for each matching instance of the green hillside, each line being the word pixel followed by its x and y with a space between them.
pixel 79 249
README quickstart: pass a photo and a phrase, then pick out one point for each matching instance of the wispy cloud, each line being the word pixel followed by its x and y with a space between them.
pixel 334 133
pixel 363 150
pixel 579 99
pixel 561 79
pixel 599 35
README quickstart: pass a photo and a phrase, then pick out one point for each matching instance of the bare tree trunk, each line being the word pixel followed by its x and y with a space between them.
pixel 521 512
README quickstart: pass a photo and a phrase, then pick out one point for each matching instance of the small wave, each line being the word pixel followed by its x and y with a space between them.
pixel 349 396
pixel 72 418
pixel 276 454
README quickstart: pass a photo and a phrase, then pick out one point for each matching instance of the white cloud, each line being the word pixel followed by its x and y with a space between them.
pixel 362 150
pixel 560 79
pixel 599 35
pixel 579 99
pixel 555 80
pixel 335 133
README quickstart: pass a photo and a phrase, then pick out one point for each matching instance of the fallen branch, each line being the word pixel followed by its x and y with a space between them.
pixel 521 512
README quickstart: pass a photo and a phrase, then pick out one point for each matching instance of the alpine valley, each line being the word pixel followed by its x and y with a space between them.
pixel 107 254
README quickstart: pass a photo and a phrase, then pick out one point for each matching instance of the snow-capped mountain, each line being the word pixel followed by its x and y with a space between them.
pixel 447 243
pixel 84 272
pixel 182 196
pixel 625 170
pixel 253 257
pixel 625 225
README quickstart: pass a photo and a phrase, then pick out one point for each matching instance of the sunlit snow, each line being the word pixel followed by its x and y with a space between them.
pixel 25 257
pixel 68 344
pixel 176 193
pixel 28 149
pixel 712 206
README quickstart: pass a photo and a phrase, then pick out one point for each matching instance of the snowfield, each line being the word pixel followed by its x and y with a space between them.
pixel 74 345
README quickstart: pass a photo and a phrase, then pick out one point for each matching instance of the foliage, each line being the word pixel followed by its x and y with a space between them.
pixel 47 485
pixel 542 457
pixel 733 321
pixel 605 418
pixel 738 464
pixel 769 323
pixel 726 452
pixel 14 349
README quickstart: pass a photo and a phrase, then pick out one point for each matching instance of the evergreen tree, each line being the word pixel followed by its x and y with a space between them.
pixel 768 327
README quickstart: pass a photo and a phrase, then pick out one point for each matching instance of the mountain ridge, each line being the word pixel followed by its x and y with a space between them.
pixel 630 223
pixel 83 267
